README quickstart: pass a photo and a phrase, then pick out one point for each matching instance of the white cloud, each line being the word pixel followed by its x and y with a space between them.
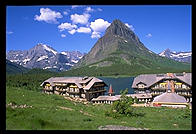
pixel 82 19
pixel 96 35
pixel 9 32
pixel 72 31
pixel 63 35
pixel 99 25
pixel 65 13
pixel 130 26
pixel 149 35
pixel 89 9
pixel 48 15
pixel 67 26
pixel 83 30
pixel 75 6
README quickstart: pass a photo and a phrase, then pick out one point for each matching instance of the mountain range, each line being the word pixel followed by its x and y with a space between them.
pixel 13 68
pixel 178 56
pixel 45 57
pixel 118 52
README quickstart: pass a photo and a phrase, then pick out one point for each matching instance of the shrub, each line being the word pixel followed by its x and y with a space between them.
pixel 123 107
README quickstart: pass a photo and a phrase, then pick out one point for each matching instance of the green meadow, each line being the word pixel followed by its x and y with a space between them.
pixel 53 112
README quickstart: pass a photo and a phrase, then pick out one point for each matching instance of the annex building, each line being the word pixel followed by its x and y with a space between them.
pixel 156 84
pixel 79 87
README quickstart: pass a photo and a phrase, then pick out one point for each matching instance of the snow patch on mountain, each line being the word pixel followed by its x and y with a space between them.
pixel 47 67
pixel 42 57
pixel 64 53
pixel 49 49
pixel 26 60
pixel 45 57
pixel 74 61
pixel 178 56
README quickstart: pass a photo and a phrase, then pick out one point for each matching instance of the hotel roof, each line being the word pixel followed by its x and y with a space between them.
pixel 150 79
pixel 76 80
pixel 169 98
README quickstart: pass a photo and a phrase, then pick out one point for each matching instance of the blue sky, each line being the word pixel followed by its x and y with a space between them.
pixel 67 28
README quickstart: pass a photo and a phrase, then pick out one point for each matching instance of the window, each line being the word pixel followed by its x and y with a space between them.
pixel 140 85
pixel 184 86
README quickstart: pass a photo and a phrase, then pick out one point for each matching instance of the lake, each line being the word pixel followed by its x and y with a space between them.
pixel 119 84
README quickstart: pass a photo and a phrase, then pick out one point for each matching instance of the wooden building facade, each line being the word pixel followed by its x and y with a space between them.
pixel 78 87
pixel 157 84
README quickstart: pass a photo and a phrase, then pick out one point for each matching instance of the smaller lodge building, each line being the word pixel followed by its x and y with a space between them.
pixel 156 84
pixel 111 97
pixel 78 87
pixel 170 99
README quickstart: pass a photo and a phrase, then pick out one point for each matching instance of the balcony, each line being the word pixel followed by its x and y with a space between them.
pixel 97 91
pixel 47 89
pixel 73 92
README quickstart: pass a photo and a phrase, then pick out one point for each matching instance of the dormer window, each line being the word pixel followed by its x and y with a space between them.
pixel 141 85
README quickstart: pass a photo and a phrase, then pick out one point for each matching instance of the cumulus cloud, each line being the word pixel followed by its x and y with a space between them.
pixel 63 35
pixel 82 19
pixel 130 26
pixel 98 26
pixel 67 26
pixel 96 35
pixel 75 6
pixel 72 31
pixel 89 9
pixel 83 30
pixel 65 13
pixel 149 35
pixel 48 15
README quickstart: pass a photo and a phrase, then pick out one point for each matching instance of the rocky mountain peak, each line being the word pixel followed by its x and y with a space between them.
pixel 178 56
pixel 167 50
pixel 118 28
pixel 45 57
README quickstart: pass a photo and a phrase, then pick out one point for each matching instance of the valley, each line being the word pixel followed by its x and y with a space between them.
pixel 116 58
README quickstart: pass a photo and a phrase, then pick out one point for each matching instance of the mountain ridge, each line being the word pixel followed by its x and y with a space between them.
pixel 120 48
pixel 44 57
pixel 178 56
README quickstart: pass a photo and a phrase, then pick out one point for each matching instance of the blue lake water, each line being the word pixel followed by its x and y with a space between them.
pixel 119 84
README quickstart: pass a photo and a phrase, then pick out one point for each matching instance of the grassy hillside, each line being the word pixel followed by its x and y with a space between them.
pixel 54 112
pixel 132 67
pixel 13 68
pixel 44 111
pixel 48 112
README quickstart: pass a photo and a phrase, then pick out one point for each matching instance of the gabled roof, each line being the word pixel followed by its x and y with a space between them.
pixel 106 98
pixel 117 97
pixel 150 79
pixel 169 98
pixel 187 78
pixel 92 82
pixel 76 80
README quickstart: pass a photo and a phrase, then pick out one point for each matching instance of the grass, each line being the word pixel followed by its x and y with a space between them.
pixel 46 114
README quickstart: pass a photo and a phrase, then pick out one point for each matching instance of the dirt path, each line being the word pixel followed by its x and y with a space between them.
pixel 66 108
pixel 118 127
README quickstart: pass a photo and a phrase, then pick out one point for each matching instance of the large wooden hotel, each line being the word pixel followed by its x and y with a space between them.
pixel 78 87
pixel 157 84
pixel 148 87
